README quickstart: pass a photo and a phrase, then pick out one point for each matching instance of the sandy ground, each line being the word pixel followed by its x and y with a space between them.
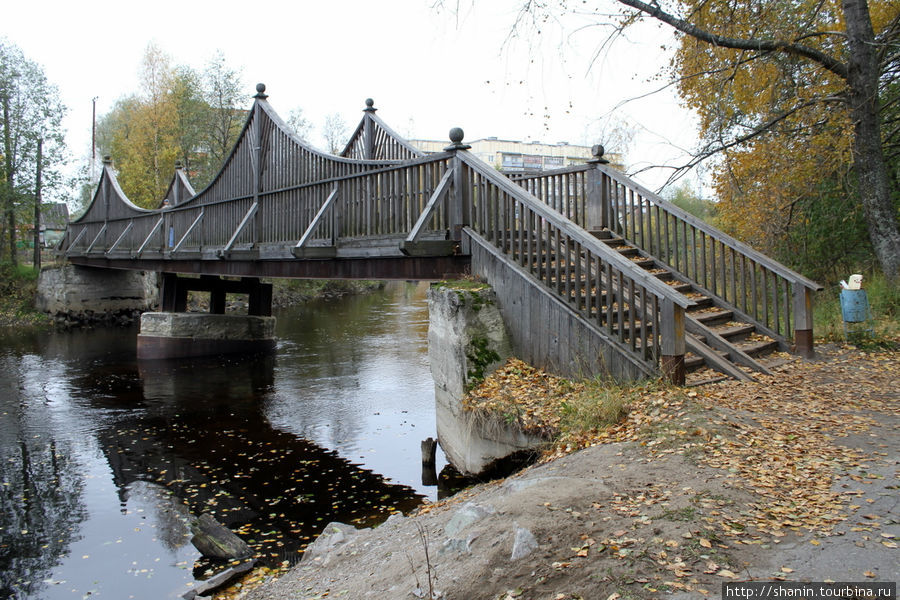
pixel 792 478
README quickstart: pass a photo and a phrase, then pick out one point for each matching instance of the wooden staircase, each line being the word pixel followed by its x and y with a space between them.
pixel 719 344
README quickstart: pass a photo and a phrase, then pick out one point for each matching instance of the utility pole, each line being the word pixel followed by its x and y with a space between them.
pixel 93 135
pixel 36 262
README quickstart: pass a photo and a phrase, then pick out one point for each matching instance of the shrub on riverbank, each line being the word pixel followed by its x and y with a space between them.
pixel 287 292
pixel 17 288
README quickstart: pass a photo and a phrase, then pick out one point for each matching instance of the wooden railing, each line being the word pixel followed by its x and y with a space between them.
pixel 639 313
pixel 267 196
pixel 384 202
pixel 373 139
pixel 759 289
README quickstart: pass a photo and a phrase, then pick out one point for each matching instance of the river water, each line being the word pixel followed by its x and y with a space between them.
pixel 103 458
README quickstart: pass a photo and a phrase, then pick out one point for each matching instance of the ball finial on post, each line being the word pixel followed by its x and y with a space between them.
pixel 370 105
pixel 456 137
pixel 107 159
pixel 261 91
pixel 597 150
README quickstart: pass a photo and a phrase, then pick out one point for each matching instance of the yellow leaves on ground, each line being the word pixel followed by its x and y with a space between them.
pixel 776 437
pixel 520 394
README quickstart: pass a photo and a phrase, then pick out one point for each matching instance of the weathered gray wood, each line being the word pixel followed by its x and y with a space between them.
pixel 156 227
pixel 240 228
pixel 717 342
pixel 121 237
pixel 190 229
pixel 317 220
pixel 440 193
pixel 714 360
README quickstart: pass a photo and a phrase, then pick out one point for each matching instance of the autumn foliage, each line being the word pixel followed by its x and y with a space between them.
pixel 785 175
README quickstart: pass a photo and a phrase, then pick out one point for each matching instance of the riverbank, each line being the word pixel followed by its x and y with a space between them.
pixel 17 291
pixel 18 288
pixel 789 478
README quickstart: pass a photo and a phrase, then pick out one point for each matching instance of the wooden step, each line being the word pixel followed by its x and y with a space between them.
pixel 735 332
pixel 712 317
pixel 758 347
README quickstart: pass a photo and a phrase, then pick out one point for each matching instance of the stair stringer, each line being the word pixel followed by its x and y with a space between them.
pixel 544 330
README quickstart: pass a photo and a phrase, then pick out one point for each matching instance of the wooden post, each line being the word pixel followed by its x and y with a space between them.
pixel 172 294
pixel 258 154
pixel 260 301
pixel 176 187
pixel 429 471
pixel 216 295
pixel 459 195
pixel 672 343
pixel 595 195
pixel 803 320
pixel 369 130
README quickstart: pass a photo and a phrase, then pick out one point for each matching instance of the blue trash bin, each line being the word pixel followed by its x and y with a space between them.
pixel 854 306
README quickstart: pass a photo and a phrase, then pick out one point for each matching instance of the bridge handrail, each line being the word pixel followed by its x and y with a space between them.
pixel 375 139
pixel 401 188
pixel 638 313
pixel 714 261
pixel 574 231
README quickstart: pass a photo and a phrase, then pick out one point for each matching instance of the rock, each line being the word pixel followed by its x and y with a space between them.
pixel 332 537
pixel 524 543
pixel 219 580
pixel 458 545
pixel 465 516
pixel 214 540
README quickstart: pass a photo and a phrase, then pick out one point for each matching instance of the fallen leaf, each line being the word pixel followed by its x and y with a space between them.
pixel 727 573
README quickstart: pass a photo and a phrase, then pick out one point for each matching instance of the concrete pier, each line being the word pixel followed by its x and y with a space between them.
pixel 466 341
pixel 183 335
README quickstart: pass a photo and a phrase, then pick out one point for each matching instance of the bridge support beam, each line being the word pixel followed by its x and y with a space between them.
pixel 175 333
pixel 174 290
pixel 169 335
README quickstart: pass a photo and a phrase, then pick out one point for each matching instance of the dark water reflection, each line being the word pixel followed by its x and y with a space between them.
pixel 103 458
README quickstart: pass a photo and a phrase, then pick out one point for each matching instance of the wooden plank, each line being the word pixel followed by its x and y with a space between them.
pixel 713 360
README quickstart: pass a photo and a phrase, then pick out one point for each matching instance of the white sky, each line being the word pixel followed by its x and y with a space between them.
pixel 427 69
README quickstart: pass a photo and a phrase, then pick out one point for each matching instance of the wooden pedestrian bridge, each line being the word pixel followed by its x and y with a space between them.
pixel 593 273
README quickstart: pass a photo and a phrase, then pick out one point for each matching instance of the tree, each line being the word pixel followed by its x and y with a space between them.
pixel 223 93
pixel 334 131
pixel 30 110
pixel 178 114
pixel 810 56
pixel 686 198
pixel 814 69
pixel 300 124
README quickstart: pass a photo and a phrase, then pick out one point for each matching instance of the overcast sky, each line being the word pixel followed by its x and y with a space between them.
pixel 428 69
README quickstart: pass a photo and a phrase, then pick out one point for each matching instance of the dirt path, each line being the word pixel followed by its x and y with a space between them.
pixel 790 478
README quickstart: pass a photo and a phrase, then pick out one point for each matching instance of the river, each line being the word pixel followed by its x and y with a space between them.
pixel 102 458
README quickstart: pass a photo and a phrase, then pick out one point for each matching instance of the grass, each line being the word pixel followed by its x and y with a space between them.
pixel 600 403
pixel 884 302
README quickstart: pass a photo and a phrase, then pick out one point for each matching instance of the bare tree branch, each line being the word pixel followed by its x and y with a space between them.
pixel 827 62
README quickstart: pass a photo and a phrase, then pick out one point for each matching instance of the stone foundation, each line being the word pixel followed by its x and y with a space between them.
pixel 466 341
pixel 73 294
pixel 181 335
